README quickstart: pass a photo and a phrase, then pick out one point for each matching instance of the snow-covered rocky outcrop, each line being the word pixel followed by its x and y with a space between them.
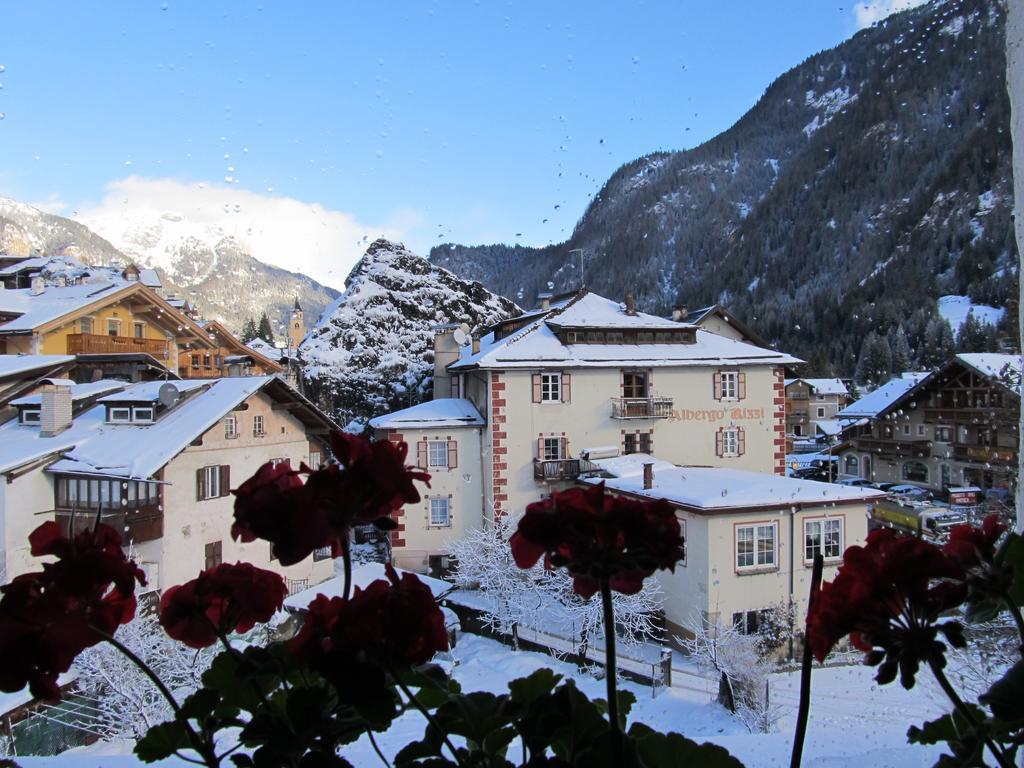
pixel 372 350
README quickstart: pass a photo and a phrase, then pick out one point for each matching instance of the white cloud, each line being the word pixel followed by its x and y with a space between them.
pixel 142 215
pixel 52 204
pixel 868 13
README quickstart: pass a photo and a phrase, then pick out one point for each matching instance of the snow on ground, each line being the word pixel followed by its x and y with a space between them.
pixel 954 310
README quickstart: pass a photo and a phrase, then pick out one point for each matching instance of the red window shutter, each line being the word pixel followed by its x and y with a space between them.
pixel 741 440
pixel 200 484
pixel 741 389
pixel 421 454
pixel 716 381
pixel 453 454
pixel 225 479
pixel 719 450
pixel 536 387
pixel 566 388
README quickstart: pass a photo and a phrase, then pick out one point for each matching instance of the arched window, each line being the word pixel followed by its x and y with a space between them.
pixel 852 465
pixel 915 471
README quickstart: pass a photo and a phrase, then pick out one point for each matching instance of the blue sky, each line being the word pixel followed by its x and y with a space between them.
pixel 464 121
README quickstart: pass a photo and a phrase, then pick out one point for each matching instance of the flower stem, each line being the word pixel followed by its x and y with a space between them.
pixel 966 713
pixel 423 711
pixel 346 556
pixel 376 748
pixel 609 670
pixel 804 709
pixel 201 746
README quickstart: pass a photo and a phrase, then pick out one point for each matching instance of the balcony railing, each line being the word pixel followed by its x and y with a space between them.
pixel 556 469
pixel 984 454
pixel 893 447
pixel 205 364
pixel 641 407
pixel 136 526
pixel 985 415
pixel 95 344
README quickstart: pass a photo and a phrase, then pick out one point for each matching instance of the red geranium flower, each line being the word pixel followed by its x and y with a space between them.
pixel 228 598
pixel 888 596
pixel 47 618
pixel 971 546
pixel 394 623
pixel 599 537
pixel 376 479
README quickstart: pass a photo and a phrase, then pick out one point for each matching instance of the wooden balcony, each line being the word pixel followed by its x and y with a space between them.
pixel 902 449
pixel 552 470
pixel 641 407
pixel 984 454
pixel 136 526
pixel 967 416
pixel 95 344
pixel 204 364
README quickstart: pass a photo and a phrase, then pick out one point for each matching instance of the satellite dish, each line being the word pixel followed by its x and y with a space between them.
pixel 168 395
pixel 461 337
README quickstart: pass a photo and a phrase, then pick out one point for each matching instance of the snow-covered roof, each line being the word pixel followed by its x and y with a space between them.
pixel 718 488
pixel 52 304
pixel 140 450
pixel 831 427
pixel 78 391
pixel 150 277
pixel 14 365
pixel 823 386
pixel 593 311
pixel 993 364
pixel 149 391
pixel 36 263
pixel 443 412
pixel 537 345
pixel 362 576
pixel 875 403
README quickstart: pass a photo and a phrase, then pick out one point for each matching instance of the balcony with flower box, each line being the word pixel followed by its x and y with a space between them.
pixel 641 407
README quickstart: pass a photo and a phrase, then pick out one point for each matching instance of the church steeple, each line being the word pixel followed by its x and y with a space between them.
pixel 296 327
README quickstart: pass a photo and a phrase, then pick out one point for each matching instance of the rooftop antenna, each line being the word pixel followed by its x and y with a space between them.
pixel 580 252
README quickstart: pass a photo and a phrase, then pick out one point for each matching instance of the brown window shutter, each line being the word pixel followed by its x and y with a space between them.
pixel 536 387
pixel 421 454
pixel 200 485
pixel 225 479
pixel 540 448
pixel 719 452
pixel 741 388
pixel 741 440
pixel 716 382
pixel 453 454
pixel 650 381
pixel 564 447
pixel 566 388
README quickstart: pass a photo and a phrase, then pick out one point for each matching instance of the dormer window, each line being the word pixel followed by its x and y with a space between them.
pixel 119 415
pixel 29 416
pixel 131 414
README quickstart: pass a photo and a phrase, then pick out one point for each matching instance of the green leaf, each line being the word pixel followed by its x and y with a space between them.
pixel 200 704
pixel 162 741
pixel 626 700
pixel 526 690
pixel 670 750
pixel 1006 696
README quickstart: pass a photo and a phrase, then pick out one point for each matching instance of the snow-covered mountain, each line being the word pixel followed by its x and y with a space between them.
pixel 203 263
pixel 372 350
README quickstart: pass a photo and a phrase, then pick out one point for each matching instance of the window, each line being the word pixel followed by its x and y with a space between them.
pixel 212 482
pixel 85 325
pixel 231 427
pixel 139 330
pixel 634 384
pixel 944 434
pixel 550 387
pixel 922 430
pixel 906 429
pixel 30 415
pixel 637 442
pixel 437 453
pixel 214 554
pixel 119 415
pixel 440 512
pixel 730 442
pixel 755 546
pixel 322 553
pixel 746 622
pixel 915 471
pixel 314 460
pixel 142 414
pixel 821 413
pixel 798 430
pixel 728 388
pixel 275 462
pixel 824 536
pixel 852 465
pixel 257 426
pixel 113 327
pixel 551 448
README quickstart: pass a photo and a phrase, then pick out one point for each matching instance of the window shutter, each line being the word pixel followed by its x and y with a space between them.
pixel 564 448
pixel 741 440
pixel 741 389
pixel 421 454
pixel 536 387
pixel 540 448
pixel 200 484
pixel 225 479
pixel 716 382
pixel 650 381
pixel 719 451
pixel 566 388
pixel 453 454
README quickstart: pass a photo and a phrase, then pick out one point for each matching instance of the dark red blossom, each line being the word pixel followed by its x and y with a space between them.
pixel 971 546
pixel 393 623
pixel 48 617
pixel 888 596
pixel 228 598
pixel 297 517
pixel 598 536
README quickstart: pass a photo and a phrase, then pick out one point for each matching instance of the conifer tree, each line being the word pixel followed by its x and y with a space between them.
pixel 972 335
pixel 248 330
pixel 939 345
pixel 901 356
pixel 264 331
pixel 874 367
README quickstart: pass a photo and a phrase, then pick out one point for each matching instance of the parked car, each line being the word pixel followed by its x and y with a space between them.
pixel 910 492
pixel 855 482
pixel 884 486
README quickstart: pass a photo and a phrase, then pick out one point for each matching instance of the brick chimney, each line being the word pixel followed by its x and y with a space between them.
pixel 630 303
pixel 55 407
pixel 648 476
